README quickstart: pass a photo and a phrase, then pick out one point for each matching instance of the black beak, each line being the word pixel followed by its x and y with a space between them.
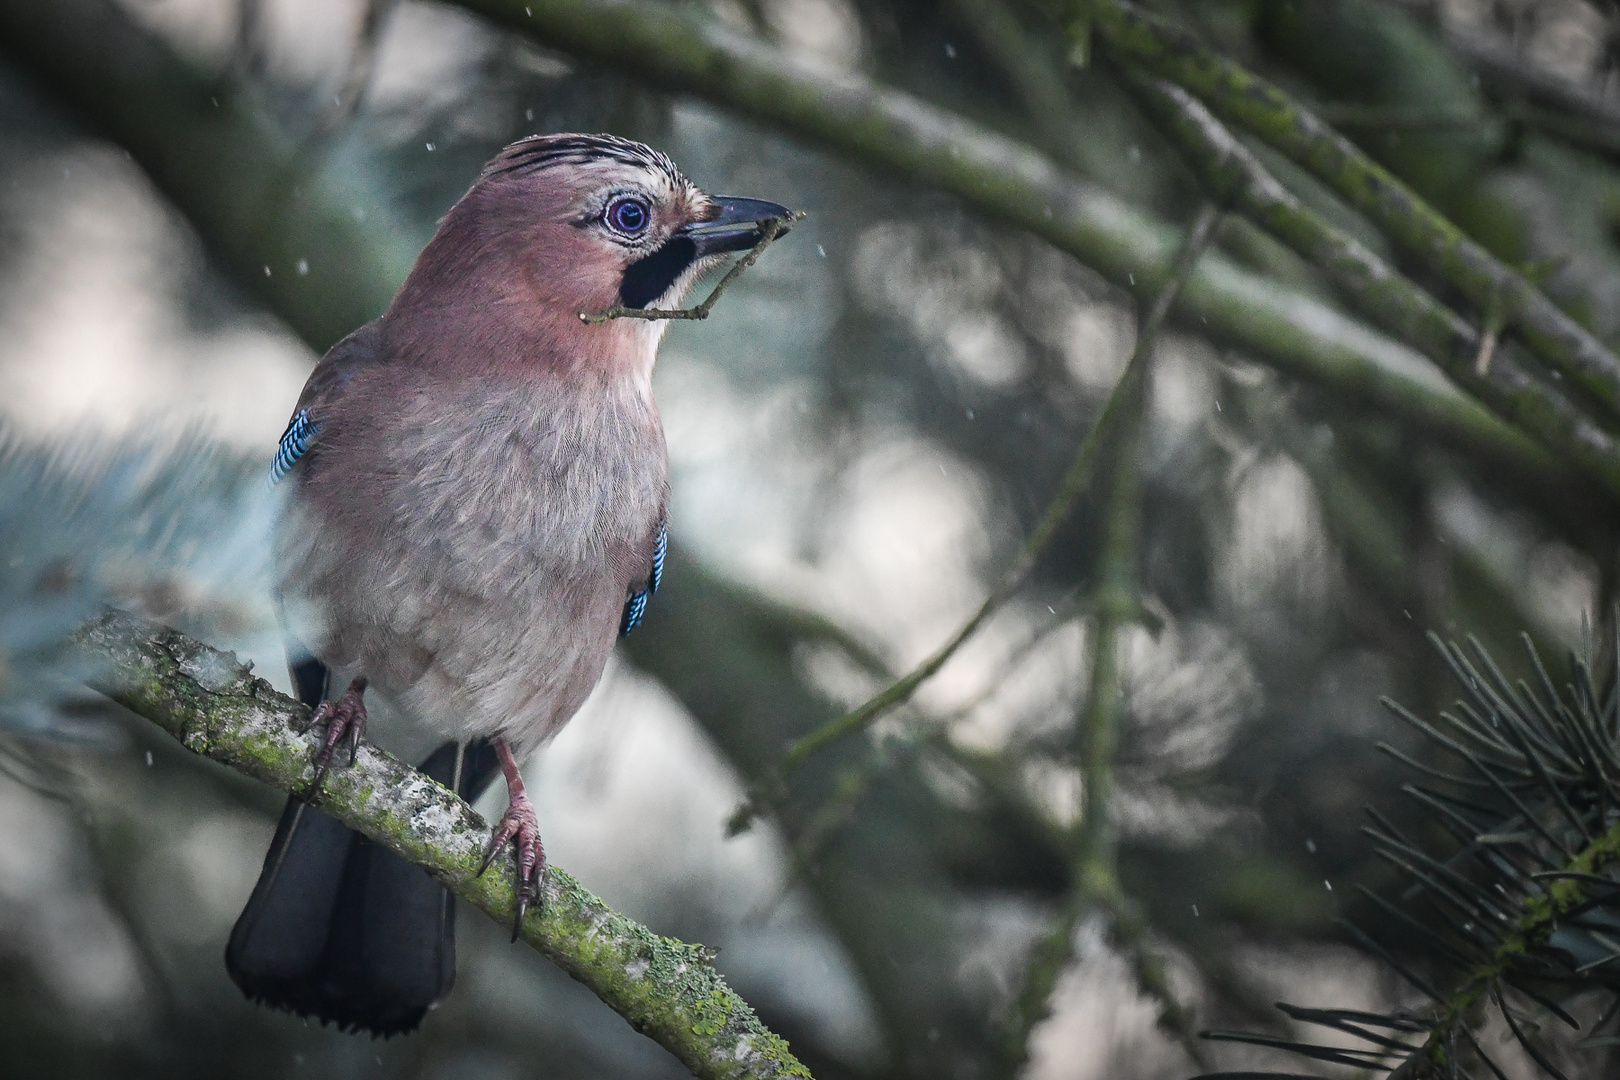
pixel 737 226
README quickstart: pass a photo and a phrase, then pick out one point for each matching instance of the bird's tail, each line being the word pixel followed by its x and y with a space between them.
pixel 341 930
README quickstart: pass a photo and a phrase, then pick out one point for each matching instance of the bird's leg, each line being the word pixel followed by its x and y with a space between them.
pixel 345 720
pixel 520 828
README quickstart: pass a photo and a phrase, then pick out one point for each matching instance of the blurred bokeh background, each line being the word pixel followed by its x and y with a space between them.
pixel 198 196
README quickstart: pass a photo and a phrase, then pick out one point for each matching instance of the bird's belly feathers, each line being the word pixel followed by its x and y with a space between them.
pixel 477 576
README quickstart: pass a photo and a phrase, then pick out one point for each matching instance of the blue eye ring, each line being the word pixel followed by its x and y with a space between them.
pixel 627 215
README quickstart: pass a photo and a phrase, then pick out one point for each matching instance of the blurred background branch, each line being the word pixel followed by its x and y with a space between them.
pixel 1095 873
pixel 1496 290
pixel 1231 171
pixel 303 236
pixel 1001 178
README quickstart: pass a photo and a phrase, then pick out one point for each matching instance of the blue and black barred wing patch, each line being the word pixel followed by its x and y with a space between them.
pixel 660 549
pixel 301 431
pixel 636 606
pixel 634 609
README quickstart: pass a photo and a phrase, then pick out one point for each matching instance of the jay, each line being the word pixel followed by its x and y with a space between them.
pixel 475 496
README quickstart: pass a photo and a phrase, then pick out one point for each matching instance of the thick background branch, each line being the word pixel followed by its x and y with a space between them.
pixel 1231 171
pixel 318 246
pixel 1244 98
pixel 665 988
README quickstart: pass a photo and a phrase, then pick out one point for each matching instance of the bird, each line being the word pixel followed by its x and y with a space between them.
pixel 474 490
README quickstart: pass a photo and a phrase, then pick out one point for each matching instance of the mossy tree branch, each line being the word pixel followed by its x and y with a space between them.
pixel 666 989
pixel 1231 171
pixel 1136 36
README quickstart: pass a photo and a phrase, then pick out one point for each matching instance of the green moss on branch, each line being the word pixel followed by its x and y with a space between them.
pixel 1136 36
pixel 1232 172
pixel 667 990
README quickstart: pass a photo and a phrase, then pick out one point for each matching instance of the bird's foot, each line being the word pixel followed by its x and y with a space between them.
pixel 520 828
pixel 345 721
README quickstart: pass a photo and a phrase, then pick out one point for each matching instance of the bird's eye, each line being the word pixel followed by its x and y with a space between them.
pixel 628 216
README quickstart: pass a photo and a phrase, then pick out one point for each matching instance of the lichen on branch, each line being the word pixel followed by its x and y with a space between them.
pixel 211 703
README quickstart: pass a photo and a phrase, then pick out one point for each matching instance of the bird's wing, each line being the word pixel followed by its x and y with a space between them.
pixel 360 350
pixel 636 606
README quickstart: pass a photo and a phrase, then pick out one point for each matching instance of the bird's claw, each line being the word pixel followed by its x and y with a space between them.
pixel 345 721
pixel 520 828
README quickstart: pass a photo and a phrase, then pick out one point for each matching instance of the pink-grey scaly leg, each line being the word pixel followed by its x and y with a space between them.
pixel 520 828
pixel 345 720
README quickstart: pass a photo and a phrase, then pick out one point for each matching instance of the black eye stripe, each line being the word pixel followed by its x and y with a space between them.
pixel 648 278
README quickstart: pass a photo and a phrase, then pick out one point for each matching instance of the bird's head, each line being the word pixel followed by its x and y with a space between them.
pixel 559 225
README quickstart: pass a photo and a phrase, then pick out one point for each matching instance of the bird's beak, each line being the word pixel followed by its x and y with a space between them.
pixel 737 226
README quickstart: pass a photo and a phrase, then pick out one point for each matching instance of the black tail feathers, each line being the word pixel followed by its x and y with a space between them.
pixel 343 931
